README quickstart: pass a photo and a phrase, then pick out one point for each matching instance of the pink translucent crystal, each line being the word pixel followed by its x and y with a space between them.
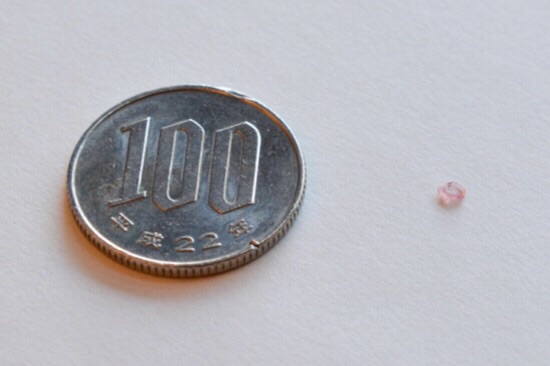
pixel 451 193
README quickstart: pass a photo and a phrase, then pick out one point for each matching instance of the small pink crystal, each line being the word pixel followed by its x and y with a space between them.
pixel 451 193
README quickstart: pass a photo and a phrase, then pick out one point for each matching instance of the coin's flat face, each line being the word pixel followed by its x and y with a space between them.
pixel 186 181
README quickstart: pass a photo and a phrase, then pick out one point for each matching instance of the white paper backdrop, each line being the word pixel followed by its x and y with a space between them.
pixel 388 100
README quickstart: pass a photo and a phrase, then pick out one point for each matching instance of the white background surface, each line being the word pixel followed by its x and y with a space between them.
pixel 388 99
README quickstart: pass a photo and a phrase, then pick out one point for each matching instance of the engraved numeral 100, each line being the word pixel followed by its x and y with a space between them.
pixel 233 173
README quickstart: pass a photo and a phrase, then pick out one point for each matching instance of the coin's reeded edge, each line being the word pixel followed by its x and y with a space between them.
pixel 175 269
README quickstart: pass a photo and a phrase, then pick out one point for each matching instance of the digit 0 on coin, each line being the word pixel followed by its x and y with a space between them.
pixel 186 181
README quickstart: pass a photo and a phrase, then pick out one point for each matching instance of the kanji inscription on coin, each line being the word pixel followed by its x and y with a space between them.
pixel 186 181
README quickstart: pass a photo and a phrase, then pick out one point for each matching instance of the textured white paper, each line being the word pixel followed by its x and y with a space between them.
pixel 389 99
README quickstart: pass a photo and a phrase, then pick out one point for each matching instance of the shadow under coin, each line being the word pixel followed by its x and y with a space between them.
pixel 104 270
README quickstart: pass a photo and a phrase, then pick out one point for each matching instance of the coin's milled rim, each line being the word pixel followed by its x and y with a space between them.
pixel 189 269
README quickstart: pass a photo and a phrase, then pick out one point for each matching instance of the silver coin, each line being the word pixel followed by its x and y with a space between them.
pixel 186 181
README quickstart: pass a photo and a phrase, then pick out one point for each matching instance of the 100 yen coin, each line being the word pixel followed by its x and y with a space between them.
pixel 186 181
